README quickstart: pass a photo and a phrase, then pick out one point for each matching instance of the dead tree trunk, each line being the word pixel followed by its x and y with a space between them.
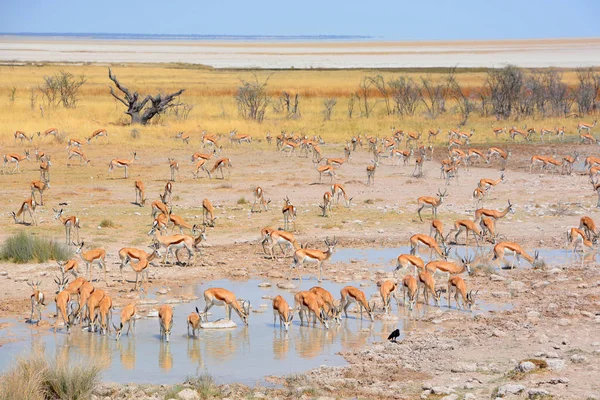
pixel 142 110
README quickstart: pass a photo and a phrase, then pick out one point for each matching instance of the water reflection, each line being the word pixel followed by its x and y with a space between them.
pixel 165 358
pixel 126 350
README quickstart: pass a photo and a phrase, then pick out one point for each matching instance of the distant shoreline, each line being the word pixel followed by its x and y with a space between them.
pixel 302 54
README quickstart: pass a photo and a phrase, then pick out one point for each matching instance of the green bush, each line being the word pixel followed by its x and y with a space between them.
pixel 34 378
pixel 24 247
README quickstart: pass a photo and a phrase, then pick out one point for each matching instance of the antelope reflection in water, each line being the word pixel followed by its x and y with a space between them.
pixel 281 344
pixel 127 353
pixel 165 358
pixel 231 342
pixel 194 352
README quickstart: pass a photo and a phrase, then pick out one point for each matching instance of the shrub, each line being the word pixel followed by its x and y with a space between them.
pixel 107 223
pixel 24 247
pixel 242 200
pixel 205 386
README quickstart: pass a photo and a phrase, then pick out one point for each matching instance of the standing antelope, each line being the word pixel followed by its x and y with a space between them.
pixel 140 267
pixel 576 236
pixel 15 158
pixel 436 230
pixel 121 163
pixel 582 126
pixel 168 193
pixel 193 321
pixel 282 310
pixel 387 290
pixel 308 303
pixel 589 227
pixel 208 215
pixel 97 134
pixel 466 225
pixel 62 300
pixel 289 213
pixel 488 228
pixel 433 135
pixel 259 197
pixel 488 184
pixel 175 242
pixel 404 260
pixel 371 172
pixel 468 298
pixel 338 191
pixel 28 205
pixel 127 317
pixel 327 202
pixel 427 282
pixel 179 222
pixel 74 143
pixel 185 138
pixel 165 320
pixel 419 238
pixel 69 223
pixel 219 165
pixel 220 296
pixel 45 169
pixel 431 202
pixel 410 289
pixel 71 266
pixel 496 151
pixel 80 154
pixel 448 267
pixel 174 167
pixel 37 300
pixel 302 256
pixel 568 162
pixel 325 170
pixel 90 257
pixel 140 193
pixel 280 238
pixel 135 254
pixel 498 131
pixel 22 136
pixel 517 252
pixel 105 310
pixel 587 138
pixel 494 214
pixel 159 207
pixel 333 306
pixel 349 295
pixel 40 187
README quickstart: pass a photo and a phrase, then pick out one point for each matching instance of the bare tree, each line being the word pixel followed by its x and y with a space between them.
pixel 12 94
pixel 252 98
pixel 434 97
pixel 290 104
pixel 464 105
pixel 406 95
pixel 328 104
pixel 364 91
pixel 587 91
pixel 384 89
pixel 351 101
pixel 505 86
pixel 62 89
pixel 142 111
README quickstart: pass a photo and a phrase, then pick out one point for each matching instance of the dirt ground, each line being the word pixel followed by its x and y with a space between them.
pixel 555 314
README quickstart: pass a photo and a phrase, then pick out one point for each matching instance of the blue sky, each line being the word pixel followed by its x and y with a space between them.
pixel 393 20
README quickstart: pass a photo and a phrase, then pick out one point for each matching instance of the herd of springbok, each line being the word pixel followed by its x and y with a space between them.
pixel 79 302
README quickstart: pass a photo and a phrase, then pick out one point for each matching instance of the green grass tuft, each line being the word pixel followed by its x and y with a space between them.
pixel 107 223
pixel 24 247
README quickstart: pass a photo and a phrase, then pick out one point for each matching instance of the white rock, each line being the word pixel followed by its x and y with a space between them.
pixel 526 366
pixel 188 394
pixel 563 322
pixel 555 364
pixel 536 393
pixel 510 389
pixel 516 286
pixel 286 286
pixel 533 314
pixel 498 333
pixel 218 324
pixel 441 390
pixel 152 314
pixel 450 397
pixel 264 284
pixel 469 396
pixel 497 278
pixel 578 359
pixel 464 367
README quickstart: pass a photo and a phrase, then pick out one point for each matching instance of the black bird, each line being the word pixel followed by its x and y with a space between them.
pixel 394 335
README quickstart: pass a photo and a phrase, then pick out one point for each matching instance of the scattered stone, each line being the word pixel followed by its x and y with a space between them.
pixel 469 396
pixel 516 286
pixel 538 285
pixel 162 291
pixel 498 333
pixel 501 294
pixel 563 322
pixel 267 297
pixel 578 359
pixel 239 272
pixel 427 386
pixel 450 397
pixel 510 389
pixel 464 367
pixel 587 314
pixel 188 394
pixel 526 366
pixel 468 386
pixel 21 279
pixel 556 381
pixel 172 301
pixel 497 278
pixel 554 271
pixel 552 354
pixel 3 273
pixel 264 284
pixel 152 314
pixel 286 286
pixel 555 364
pixel 218 324
pixel 533 314
pixel 441 390
pixel 536 393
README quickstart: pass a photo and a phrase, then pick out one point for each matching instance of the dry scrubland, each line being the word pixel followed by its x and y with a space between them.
pixel 554 314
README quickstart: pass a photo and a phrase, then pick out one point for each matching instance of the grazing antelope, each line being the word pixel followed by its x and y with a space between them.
pixel 209 140
pixel 488 229
pixel 349 295
pixel 437 230
pixel 165 320
pixel 40 187
pixel 431 202
pixel 63 300
pixel 282 310
pixel 220 296
pixel 45 169
pixel 281 239
pixel 478 195
pixel 37 300
pixel 336 162
pixel 200 166
pixel 48 132
pixel 387 290
pixel 517 251
pixel 576 236
pixel 308 303
pixel 371 172
pixel 74 143
pixel 219 165
pixel 588 225
pixel 327 202
pixel 427 282
pixel 317 154
pixel 498 131
pixel 545 131
pixel 338 191
pixel 97 134
pixel 84 292
pixel 140 196
pixel 80 154
pixel 90 257
pixel 582 126
pixel 289 213
pixel 587 138
pixel 105 314
pixel 472 155
pixel 400 154
pixel 487 184
pixel 208 215
pixel 185 138
pixel 193 321
pixel 514 132
pixel 302 256
pixel 433 135
pixel 466 225
pixel 71 266
pixel 535 160
pixel 159 207
pixel 15 158
pixel 28 205
pixel 180 223
pixel 132 253
pixel 483 212
pixel 93 303
pixel 327 170
pixel 238 138
pixel 333 306
pixel 289 147
pixel 419 238
pixel 259 197
pixel 127 317
pixel 69 223
pixel 140 267
pixel 448 267
pixel 22 136
pixel 412 138
pixel 404 260
pixel 121 163
pixel 410 288
pixel 468 298
pixel 568 162
pixel 202 156
pixel 497 152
